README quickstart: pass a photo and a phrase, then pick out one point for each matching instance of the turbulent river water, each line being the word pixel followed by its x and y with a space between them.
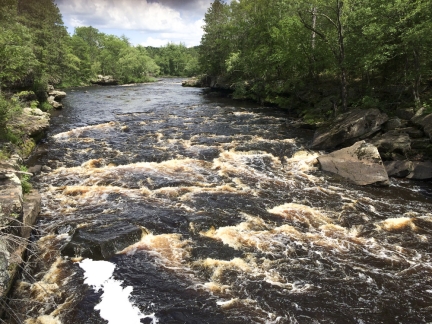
pixel 168 205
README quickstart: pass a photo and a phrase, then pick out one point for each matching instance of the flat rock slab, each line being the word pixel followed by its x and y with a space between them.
pixel 348 128
pixel 102 242
pixel 360 163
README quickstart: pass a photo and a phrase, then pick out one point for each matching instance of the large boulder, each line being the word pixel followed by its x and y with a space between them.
pixel 425 122
pixel 360 163
pixel 33 122
pixel 349 128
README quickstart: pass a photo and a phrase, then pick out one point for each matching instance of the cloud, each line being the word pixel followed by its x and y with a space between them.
pixel 177 20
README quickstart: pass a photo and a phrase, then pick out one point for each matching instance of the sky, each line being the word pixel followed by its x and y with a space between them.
pixel 144 22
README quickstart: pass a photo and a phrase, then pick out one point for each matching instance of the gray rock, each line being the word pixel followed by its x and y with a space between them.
pixel 425 122
pixel 35 169
pixel 392 141
pixel 392 124
pixel 398 169
pixel 421 143
pixel 360 163
pixel 405 113
pixel 412 132
pixel 348 128
pixel 421 171
pixel 101 243
pixel 31 209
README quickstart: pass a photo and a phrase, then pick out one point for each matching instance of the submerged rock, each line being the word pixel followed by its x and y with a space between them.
pixel 102 242
pixel 360 163
pixel 348 128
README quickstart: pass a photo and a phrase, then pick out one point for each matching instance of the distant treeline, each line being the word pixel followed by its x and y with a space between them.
pixel 35 49
pixel 373 51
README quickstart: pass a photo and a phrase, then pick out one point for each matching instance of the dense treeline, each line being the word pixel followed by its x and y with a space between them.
pixel 36 50
pixel 175 60
pixel 285 52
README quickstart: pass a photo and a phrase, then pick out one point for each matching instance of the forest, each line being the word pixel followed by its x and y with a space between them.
pixel 317 58
pixel 36 51
pixel 328 56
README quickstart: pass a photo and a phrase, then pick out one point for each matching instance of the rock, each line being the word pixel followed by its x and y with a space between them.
pixel 103 242
pixel 105 80
pixel 31 209
pixel 193 82
pixel 35 169
pixel 425 122
pixel 11 198
pixel 349 127
pixel 33 122
pixel 398 169
pixel 360 163
pixel 421 171
pixel 392 124
pixel 46 168
pixel 57 95
pixel 53 103
pixel 405 113
pixel 421 144
pixel 393 141
pixel 412 132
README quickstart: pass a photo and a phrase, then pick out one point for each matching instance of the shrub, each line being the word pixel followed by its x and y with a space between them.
pixel 25 180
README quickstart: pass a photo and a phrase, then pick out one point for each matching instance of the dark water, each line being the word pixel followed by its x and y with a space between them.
pixel 214 212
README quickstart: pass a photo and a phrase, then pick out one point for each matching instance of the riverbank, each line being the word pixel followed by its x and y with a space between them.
pixel 402 135
pixel 19 203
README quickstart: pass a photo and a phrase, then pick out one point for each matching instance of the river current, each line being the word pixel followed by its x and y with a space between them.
pixel 167 204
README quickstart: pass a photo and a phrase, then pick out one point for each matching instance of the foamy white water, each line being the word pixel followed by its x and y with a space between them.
pixel 115 305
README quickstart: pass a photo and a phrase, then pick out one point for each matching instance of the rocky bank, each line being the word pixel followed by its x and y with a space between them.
pixel 18 210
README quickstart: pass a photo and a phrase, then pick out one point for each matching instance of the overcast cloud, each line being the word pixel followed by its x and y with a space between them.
pixel 145 22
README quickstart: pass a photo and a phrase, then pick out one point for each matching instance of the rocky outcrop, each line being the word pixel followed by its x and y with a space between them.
pixel 392 141
pixel 360 163
pixel 55 97
pixel 105 80
pixel 17 214
pixel 33 122
pixel 425 122
pixel 348 128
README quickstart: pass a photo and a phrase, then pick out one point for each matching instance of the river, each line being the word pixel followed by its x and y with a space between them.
pixel 167 204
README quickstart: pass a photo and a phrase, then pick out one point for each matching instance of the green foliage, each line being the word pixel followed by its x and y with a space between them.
pixel 45 106
pixel 8 108
pixel 282 46
pixel 175 59
pixel 25 180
